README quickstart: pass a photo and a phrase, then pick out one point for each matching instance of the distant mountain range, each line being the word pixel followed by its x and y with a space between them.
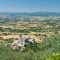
pixel 31 14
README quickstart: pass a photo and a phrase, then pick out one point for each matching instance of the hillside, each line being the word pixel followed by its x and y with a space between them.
pixel 44 27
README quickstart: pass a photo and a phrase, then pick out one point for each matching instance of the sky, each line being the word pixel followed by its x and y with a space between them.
pixel 29 5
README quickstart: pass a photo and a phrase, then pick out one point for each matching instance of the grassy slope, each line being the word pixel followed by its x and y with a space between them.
pixel 40 51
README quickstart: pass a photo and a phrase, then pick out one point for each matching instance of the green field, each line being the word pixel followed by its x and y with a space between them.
pixel 46 28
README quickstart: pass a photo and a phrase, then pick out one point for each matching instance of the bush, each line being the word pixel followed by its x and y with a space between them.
pixel 54 56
